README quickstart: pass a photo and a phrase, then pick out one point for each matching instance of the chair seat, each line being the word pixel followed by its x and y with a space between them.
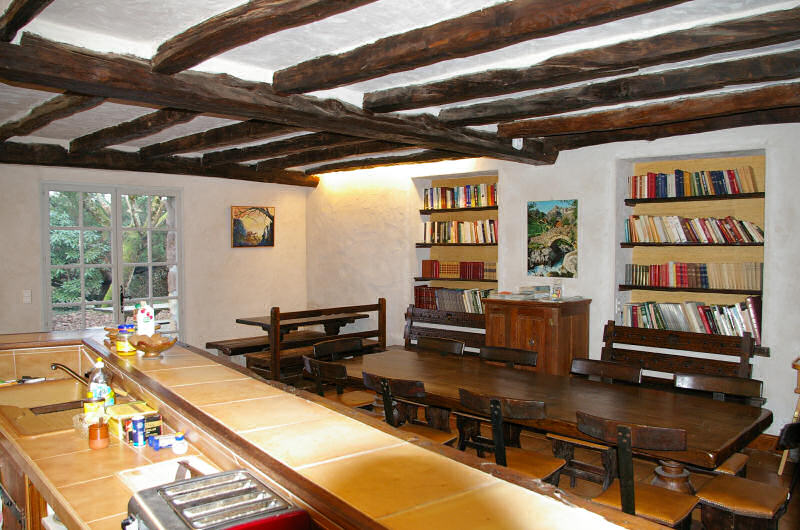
pixel 657 504
pixel 734 465
pixel 743 496
pixel 435 435
pixel 533 463
pixel 352 398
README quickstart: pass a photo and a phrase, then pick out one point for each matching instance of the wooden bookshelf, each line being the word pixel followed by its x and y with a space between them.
pixel 748 292
pixel 423 279
pixel 451 210
pixel 748 207
pixel 728 197
pixel 631 245
pixel 429 245
pixel 484 252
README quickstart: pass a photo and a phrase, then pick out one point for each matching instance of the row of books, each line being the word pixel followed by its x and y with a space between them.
pixel 697 317
pixel 674 229
pixel 692 184
pixel 464 270
pixel 743 276
pixel 458 300
pixel 481 231
pixel 469 196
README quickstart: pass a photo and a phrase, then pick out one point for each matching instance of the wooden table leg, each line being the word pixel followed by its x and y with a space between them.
pixel 672 476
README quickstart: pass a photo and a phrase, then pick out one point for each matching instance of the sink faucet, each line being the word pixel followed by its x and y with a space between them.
pixel 56 366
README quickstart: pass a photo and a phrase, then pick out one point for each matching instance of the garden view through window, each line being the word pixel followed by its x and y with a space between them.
pixel 108 249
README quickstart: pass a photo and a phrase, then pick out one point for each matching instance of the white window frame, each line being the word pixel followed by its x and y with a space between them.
pixel 116 191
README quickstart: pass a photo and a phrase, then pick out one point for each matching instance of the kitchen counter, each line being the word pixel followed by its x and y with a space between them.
pixel 347 468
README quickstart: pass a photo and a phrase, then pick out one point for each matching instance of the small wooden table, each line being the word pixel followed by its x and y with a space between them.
pixel 332 323
pixel 715 429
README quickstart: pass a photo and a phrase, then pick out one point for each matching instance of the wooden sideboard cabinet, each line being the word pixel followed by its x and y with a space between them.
pixel 557 331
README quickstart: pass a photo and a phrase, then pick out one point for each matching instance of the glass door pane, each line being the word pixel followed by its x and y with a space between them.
pixel 149 269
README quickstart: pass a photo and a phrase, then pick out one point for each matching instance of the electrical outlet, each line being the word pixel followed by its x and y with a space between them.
pixel 26 296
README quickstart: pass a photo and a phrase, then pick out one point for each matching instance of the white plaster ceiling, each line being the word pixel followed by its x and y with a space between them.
pixel 138 27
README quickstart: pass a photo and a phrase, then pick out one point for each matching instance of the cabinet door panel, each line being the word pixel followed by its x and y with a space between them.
pixel 529 332
pixel 497 327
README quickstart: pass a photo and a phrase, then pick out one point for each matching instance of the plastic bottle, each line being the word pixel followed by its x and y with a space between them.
pixel 93 408
pixel 99 384
pixel 179 446
pixel 145 319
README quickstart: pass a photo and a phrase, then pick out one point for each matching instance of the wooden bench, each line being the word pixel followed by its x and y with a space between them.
pixel 418 324
pixel 278 362
pixel 246 345
pixel 292 359
pixel 669 358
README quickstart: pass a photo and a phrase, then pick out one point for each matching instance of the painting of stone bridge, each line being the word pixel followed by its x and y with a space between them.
pixel 553 238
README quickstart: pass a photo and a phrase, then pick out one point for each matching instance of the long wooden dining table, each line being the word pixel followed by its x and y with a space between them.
pixel 715 429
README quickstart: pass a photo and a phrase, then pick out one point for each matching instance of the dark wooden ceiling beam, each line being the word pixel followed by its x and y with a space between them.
pixel 654 132
pixel 367 163
pixel 55 155
pixel 787 95
pixel 237 133
pixel 623 90
pixel 61 106
pixel 140 127
pixel 289 146
pixel 480 31
pixel 17 15
pixel 40 62
pixel 582 65
pixel 241 25
pixel 314 156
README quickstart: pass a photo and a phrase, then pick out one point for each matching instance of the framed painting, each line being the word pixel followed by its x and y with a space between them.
pixel 252 226
pixel 553 238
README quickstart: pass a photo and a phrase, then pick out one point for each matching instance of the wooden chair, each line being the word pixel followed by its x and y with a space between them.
pixel 721 387
pixel 729 501
pixel 789 438
pixel 401 404
pixel 336 349
pixel 607 371
pixel 504 442
pixel 509 356
pixel 441 345
pixel 564 446
pixel 332 374
pixel 666 507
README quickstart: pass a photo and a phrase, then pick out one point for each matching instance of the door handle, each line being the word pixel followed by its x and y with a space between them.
pixel 531 342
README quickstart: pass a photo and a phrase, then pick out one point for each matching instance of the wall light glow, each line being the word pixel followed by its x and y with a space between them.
pixel 392 177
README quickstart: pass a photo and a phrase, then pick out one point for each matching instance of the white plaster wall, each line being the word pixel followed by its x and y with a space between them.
pixel 373 210
pixel 220 283
pixel 362 226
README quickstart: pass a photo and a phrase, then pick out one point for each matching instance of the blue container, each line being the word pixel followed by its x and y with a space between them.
pixel 137 427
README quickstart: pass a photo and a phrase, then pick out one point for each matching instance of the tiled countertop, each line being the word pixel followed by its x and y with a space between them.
pixel 305 444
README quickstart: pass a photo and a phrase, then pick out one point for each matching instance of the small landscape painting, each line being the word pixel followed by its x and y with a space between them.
pixel 553 238
pixel 252 226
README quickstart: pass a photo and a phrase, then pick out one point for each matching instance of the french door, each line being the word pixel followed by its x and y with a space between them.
pixel 108 248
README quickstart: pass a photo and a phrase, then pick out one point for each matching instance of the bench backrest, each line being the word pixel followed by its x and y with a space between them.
pixel 670 344
pixel 276 316
pixel 418 324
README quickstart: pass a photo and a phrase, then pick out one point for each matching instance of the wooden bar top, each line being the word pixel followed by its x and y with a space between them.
pixel 348 468
pixel 715 429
